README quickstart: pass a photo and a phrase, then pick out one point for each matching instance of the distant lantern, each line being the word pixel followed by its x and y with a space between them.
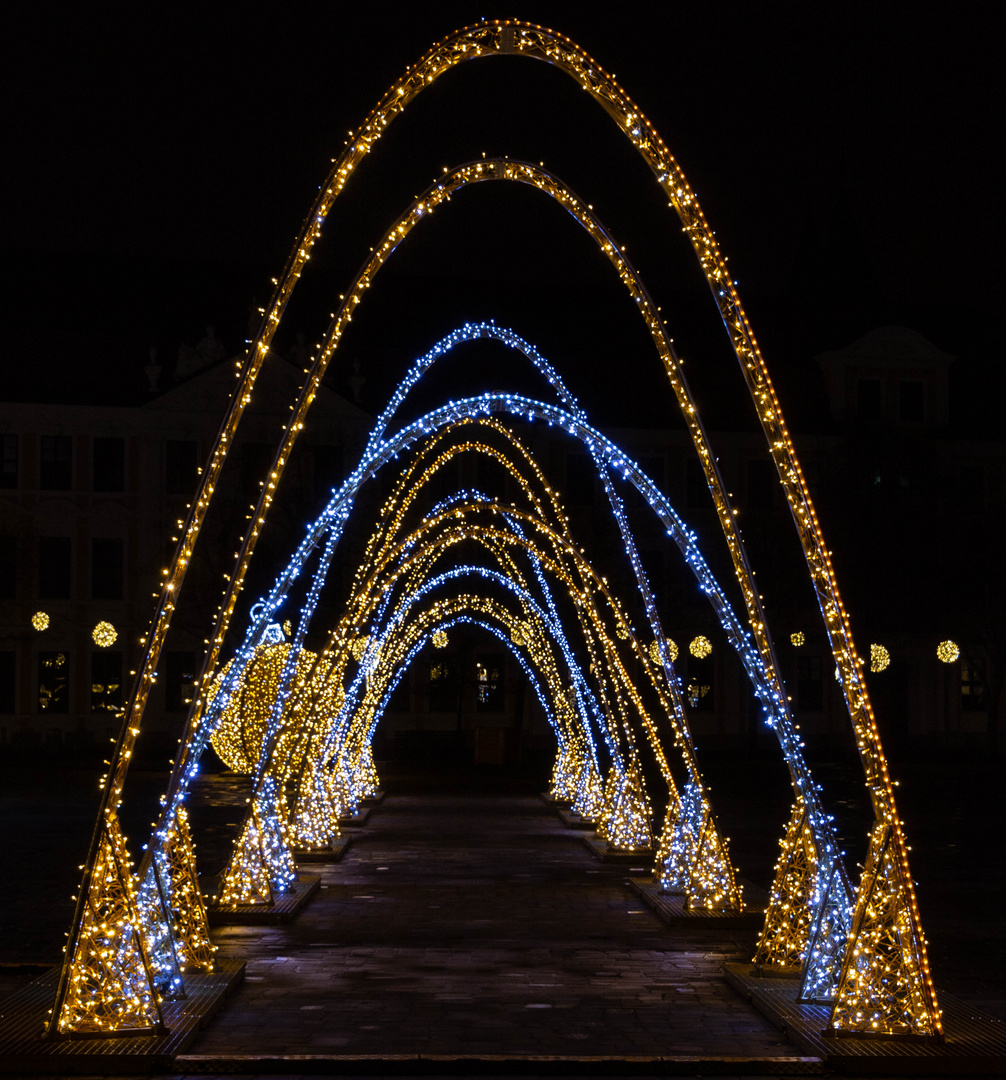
pixel 104 634
pixel 700 647
pixel 440 639
pixel 948 651
pixel 879 658
pixel 40 620
pixel 797 638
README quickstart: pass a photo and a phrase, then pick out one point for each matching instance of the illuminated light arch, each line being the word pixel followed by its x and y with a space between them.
pixel 894 919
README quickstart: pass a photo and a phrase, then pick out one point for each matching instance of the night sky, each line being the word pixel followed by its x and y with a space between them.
pixel 160 163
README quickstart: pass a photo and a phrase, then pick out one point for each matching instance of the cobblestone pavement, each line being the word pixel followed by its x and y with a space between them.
pixel 459 924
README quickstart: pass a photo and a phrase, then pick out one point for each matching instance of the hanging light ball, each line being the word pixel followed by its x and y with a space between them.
pixel 104 634
pixel 798 638
pixel 880 658
pixel 359 647
pixel 700 647
pixel 439 639
pixel 40 620
pixel 948 651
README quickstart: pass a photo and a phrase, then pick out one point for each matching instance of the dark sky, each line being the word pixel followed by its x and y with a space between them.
pixel 160 163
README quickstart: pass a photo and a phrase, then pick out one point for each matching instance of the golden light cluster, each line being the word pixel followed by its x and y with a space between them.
pixel 798 638
pixel 880 658
pixel 104 634
pixel 439 639
pixel 40 620
pixel 948 651
pixel 700 647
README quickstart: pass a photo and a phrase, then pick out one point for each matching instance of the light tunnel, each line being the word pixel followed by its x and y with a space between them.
pixel 854 959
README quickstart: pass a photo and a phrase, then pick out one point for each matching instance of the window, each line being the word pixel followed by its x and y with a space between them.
pixel 8 567
pixel 106 682
pixel 809 684
pixel 180 475
pixel 489 683
pixel 8 684
pixel 699 687
pixel 8 461
pixel 696 488
pixel 973 685
pixel 53 682
pixel 54 567
pixel 869 400
pixel 108 464
pixel 55 462
pixel 580 476
pixel 179 680
pixel 761 484
pixel 106 569
pixel 443 686
pixel 911 401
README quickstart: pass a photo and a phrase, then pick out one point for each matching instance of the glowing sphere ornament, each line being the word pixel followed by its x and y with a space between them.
pixel 797 638
pixel 104 634
pixel 700 647
pixel 948 651
pixel 40 620
pixel 439 639
pixel 880 658
pixel 359 648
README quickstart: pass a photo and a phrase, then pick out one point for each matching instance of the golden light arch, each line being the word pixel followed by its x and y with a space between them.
pixel 886 907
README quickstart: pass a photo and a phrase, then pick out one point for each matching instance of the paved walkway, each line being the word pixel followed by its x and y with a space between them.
pixel 467 924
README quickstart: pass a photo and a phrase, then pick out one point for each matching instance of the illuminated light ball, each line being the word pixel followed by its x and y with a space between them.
pixel 246 717
pixel 700 647
pixel 671 648
pixel 518 635
pixel 798 638
pixel 287 627
pixel 359 647
pixel 440 639
pixel 623 632
pixel 40 620
pixel 948 651
pixel 879 658
pixel 104 634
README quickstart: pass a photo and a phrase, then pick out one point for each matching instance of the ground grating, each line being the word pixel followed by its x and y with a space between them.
pixel 975 1042
pixel 24 1051
pixel 283 908
pixel 672 909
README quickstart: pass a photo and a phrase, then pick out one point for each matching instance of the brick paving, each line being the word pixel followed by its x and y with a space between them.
pixel 480 925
